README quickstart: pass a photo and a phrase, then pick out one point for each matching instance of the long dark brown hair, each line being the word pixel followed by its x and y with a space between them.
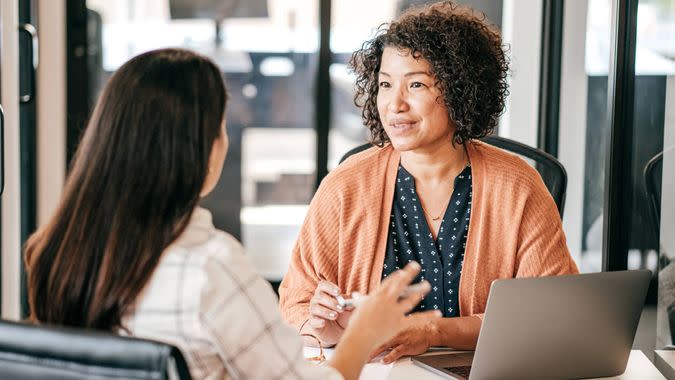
pixel 133 185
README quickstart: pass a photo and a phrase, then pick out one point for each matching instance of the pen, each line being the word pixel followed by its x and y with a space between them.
pixel 350 303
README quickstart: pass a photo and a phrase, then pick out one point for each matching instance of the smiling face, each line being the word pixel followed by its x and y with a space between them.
pixel 411 106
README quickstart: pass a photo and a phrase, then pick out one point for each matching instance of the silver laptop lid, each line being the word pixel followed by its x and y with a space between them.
pixel 560 327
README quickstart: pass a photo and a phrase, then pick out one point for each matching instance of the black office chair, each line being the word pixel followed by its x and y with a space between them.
pixel 551 170
pixel 653 173
pixel 58 353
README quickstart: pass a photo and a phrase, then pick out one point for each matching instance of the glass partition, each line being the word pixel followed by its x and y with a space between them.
pixel 267 51
pixel 654 157
pixel 583 127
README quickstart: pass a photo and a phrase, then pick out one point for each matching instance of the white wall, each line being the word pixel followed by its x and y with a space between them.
pixel 667 244
pixel 51 133
pixel 11 201
pixel 668 183
pixel 51 112
pixel 572 130
pixel 521 30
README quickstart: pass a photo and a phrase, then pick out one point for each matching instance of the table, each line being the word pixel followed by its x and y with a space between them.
pixel 639 367
pixel 664 360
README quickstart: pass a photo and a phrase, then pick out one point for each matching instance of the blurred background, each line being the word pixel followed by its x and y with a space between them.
pixel 291 114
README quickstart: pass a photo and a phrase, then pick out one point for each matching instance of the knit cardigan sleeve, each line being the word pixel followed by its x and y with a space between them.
pixel 313 256
pixel 515 229
pixel 542 247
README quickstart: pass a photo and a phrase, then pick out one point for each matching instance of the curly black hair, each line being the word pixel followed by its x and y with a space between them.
pixel 466 56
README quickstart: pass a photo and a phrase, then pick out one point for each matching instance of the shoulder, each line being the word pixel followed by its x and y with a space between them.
pixel 228 271
pixel 374 153
pixel 360 170
pixel 503 168
pixel 353 181
pixel 226 252
pixel 369 161
pixel 219 252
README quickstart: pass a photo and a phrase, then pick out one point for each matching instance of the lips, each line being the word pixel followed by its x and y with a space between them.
pixel 400 125
pixel 401 122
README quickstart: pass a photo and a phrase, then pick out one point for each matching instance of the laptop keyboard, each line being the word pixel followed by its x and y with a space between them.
pixel 461 370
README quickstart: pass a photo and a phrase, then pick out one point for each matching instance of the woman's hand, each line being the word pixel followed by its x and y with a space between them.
pixel 459 332
pixel 414 339
pixel 327 319
pixel 380 317
pixel 383 314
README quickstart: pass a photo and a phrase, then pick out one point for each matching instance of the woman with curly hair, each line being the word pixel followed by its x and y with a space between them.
pixel 430 84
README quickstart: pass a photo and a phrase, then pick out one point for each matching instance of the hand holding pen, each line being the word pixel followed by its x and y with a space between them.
pixel 324 307
pixel 327 319
pixel 330 310
pixel 357 298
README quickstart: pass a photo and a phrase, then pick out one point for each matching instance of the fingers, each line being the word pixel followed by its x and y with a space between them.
pixel 344 318
pixel 320 311
pixel 378 351
pixel 317 323
pixel 415 295
pixel 357 298
pixel 327 287
pixel 396 353
pixel 420 317
pixel 397 281
pixel 323 305
pixel 326 301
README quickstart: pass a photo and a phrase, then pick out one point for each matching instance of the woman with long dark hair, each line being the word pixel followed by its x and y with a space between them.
pixel 129 251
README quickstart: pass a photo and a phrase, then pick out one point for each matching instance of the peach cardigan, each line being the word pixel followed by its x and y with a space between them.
pixel 515 229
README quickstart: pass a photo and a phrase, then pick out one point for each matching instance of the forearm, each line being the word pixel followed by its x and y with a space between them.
pixel 460 333
pixel 352 354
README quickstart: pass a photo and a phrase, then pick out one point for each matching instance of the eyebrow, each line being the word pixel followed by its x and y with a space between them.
pixel 409 74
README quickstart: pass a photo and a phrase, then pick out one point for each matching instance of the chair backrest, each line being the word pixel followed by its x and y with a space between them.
pixel 653 174
pixel 59 353
pixel 551 170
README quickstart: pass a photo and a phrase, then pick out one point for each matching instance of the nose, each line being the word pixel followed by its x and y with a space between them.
pixel 397 101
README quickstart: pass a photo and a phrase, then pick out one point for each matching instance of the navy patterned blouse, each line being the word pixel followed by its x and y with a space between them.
pixel 410 239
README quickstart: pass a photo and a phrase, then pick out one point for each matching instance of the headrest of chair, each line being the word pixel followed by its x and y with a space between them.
pixel 85 348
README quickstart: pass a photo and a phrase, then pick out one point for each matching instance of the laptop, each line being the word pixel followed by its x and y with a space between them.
pixel 559 327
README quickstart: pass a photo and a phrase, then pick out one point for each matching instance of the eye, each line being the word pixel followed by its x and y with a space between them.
pixel 417 85
pixel 385 84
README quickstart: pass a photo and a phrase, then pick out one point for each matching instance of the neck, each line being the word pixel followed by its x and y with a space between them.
pixel 435 165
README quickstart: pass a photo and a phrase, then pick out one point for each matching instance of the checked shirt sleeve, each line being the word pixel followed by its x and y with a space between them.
pixel 238 312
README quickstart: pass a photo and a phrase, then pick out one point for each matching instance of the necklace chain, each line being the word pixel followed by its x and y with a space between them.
pixel 432 217
pixel 435 218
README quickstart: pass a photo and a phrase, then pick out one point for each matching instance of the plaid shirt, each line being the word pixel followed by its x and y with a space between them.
pixel 205 298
